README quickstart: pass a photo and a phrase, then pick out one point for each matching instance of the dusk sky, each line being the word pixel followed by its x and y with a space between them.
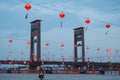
pixel 13 25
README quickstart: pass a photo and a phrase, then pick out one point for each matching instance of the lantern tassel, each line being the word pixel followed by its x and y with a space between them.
pixel 86 28
pixel 26 47
pixel 106 32
pixel 61 49
pixel 9 45
pixel 61 24
pixel 26 16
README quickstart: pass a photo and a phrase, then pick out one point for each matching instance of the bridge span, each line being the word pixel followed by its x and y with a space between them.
pixel 66 63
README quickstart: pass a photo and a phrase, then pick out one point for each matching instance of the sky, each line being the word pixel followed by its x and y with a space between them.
pixel 100 12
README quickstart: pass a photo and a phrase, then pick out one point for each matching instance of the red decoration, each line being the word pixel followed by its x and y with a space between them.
pixel 62 15
pixel 87 48
pixel 116 51
pixel 98 49
pixel 22 53
pixel 62 45
pixel 10 40
pixel 108 25
pixel 10 52
pixel 75 46
pixel 28 42
pixel 87 21
pixel 27 6
pixel 47 44
pixel 107 50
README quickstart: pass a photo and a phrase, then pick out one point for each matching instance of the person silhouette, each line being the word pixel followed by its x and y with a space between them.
pixel 41 73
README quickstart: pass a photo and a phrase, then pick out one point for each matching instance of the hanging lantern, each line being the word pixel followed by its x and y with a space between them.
pixel 22 53
pixel 28 42
pixel 47 44
pixel 87 21
pixel 62 45
pixel 107 26
pixel 10 41
pixel 27 7
pixel 87 48
pixel 116 51
pixel 98 49
pixel 10 52
pixel 107 50
pixel 61 15
pixel 75 46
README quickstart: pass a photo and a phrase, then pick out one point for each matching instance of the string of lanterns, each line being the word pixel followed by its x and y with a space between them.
pixel 27 7
pixel 108 50
pixel 62 15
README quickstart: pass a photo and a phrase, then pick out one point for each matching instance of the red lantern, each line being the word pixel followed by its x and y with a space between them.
pixel 27 6
pixel 107 50
pixel 62 45
pixel 87 48
pixel 28 42
pixel 98 49
pixel 116 51
pixel 10 52
pixel 61 15
pixel 108 25
pixel 87 21
pixel 75 46
pixel 10 40
pixel 22 53
pixel 47 44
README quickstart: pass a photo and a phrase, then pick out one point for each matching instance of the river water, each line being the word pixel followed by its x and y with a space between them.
pixel 59 77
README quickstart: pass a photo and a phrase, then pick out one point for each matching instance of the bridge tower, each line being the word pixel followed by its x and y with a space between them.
pixel 79 36
pixel 35 38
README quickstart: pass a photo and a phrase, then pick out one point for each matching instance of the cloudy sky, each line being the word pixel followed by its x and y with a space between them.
pixel 100 12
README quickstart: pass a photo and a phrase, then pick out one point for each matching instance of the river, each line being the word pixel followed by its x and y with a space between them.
pixel 60 77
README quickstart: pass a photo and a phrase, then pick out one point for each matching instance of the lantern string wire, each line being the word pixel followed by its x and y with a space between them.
pixel 54 9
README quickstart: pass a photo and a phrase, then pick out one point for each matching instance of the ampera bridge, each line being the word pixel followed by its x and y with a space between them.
pixel 78 37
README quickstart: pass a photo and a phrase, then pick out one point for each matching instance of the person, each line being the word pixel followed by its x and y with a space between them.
pixel 41 73
pixel 102 71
